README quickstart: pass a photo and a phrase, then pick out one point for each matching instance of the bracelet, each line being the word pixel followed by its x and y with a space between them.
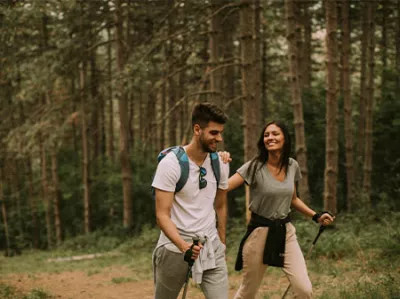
pixel 316 217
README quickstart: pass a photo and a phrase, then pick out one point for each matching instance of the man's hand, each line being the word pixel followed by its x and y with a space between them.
pixel 194 249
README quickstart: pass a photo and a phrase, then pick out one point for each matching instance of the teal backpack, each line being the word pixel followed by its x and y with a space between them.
pixel 184 164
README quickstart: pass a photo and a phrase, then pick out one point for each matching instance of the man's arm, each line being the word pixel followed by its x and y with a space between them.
pixel 221 208
pixel 164 201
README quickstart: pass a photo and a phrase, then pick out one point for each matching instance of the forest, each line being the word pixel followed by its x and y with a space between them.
pixel 92 91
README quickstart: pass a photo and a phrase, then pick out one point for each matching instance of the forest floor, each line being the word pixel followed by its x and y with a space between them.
pixel 114 282
pixel 355 260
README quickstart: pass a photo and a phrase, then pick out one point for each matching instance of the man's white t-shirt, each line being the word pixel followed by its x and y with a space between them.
pixel 192 208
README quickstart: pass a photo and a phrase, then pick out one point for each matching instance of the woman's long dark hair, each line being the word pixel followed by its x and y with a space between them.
pixel 262 156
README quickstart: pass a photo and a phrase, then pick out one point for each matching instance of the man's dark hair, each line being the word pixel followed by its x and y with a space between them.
pixel 203 113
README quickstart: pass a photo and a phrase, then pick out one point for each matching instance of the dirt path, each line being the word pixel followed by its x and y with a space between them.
pixel 105 285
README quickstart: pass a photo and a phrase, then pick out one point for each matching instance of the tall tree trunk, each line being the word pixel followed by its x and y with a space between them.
pixel 301 147
pixel 250 103
pixel 264 76
pixel 126 166
pixel 95 111
pixel 161 126
pixel 215 52
pixel 369 103
pixel 347 105
pixel 4 216
pixel 384 44
pixel 363 91
pixel 257 59
pixel 216 72
pixel 173 121
pixel 32 204
pixel 110 112
pixel 46 195
pixel 348 127
pixel 57 197
pixel 298 29
pixel 307 46
pixel 331 158
pixel 85 153
pixel 398 51
pixel 84 131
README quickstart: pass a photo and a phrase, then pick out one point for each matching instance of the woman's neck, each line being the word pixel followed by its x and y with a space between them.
pixel 274 159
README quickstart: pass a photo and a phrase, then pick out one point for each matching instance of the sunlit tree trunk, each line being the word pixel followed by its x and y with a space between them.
pixel 46 195
pixel 4 216
pixel 398 51
pixel 331 154
pixel 369 103
pixel 32 204
pixel 301 147
pixel 126 166
pixel 363 91
pixel 172 120
pixel 215 53
pixel 384 43
pixel 348 127
pixel 307 70
pixel 250 103
pixel 110 110
pixel 96 105
pixel 85 153
pixel 84 132
pixel 57 197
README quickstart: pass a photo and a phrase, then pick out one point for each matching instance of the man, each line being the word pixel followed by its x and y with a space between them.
pixel 192 212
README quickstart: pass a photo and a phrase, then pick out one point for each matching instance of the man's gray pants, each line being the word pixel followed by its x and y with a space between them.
pixel 170 273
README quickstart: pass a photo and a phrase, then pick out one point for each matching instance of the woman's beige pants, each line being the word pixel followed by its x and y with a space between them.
pixel 253 267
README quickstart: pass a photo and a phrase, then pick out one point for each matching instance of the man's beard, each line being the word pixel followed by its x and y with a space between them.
pixel 205 146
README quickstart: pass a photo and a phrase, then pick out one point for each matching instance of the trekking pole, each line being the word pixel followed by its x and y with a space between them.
pixel 189 271
pixel 321 229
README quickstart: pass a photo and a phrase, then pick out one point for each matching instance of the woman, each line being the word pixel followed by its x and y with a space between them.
pixel 272 175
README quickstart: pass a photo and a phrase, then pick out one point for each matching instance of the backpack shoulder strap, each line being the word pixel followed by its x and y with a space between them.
pixel 215 166
pixel 184 164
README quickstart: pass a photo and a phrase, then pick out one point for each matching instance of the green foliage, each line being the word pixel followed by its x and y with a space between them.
pixel 9 292
pixel 118 280
pixel 386 287
pixel 94 242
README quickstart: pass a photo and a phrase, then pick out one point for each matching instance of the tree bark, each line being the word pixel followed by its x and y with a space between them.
pixel 110 112
pixel 363 91
pixel 172 121
pixel 369 104
pixel 348 127
pixel 398 51
pixel 32 204
pixel 301 147
pixel 384 44
pixel 57 197
pixel 126 166
pixel 4 216
pixel 85 153
pixel 46 195
pixel 331 154
pixel 250 104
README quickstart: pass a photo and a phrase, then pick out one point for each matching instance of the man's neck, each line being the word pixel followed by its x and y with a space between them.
pixel 196 153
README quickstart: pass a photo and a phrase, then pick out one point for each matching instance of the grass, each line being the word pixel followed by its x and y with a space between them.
pixel 9 292
pixel 358 258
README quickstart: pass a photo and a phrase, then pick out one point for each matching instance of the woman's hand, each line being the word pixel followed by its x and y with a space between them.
pixel 225 156
pixel 326 219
